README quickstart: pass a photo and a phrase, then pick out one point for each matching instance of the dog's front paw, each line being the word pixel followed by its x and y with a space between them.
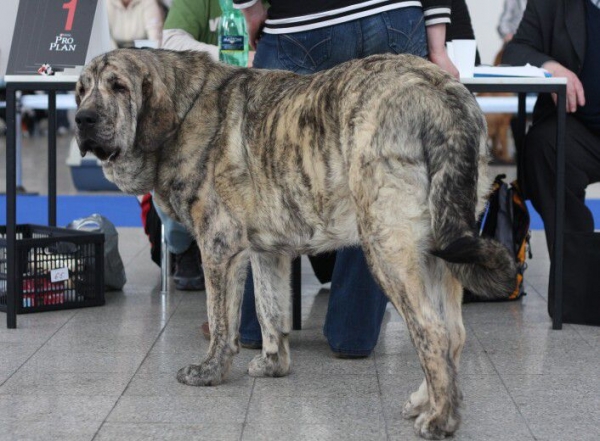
pixel 435 426
pixel 412 410
pixel 203 374
pixel 268 366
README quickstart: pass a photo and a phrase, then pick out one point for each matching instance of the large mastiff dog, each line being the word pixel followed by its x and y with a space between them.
pixel 388 152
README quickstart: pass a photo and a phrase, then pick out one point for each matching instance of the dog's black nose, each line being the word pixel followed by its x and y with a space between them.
pixel 86 119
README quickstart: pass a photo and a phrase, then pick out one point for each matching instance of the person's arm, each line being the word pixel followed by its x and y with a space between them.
pixel 153 21
pixel 186 22
pixel 436 44
pixel 437 17
pixel 255 14
pixel 180 40
pixel 529 46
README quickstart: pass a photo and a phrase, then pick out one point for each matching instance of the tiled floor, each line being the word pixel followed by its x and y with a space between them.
pixel 108 373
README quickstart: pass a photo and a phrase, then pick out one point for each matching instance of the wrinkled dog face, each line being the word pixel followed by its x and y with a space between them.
pixel 116 117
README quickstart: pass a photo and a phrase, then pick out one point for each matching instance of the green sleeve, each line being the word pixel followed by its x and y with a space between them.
pixel 199 18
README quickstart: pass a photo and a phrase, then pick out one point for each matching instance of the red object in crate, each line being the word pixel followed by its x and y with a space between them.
pixel 39 291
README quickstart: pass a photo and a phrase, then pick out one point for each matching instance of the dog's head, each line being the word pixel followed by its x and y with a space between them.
pixel 125 113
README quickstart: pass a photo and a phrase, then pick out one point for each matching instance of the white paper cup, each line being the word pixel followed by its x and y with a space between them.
pixel 464 56
pixel 450 51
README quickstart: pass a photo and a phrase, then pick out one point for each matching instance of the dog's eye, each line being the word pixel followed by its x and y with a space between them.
pixel 118 87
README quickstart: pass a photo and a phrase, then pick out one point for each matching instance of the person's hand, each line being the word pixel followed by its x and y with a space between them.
pixel 442 59
pixel 508 37
pixel 255 17
pixel 575 94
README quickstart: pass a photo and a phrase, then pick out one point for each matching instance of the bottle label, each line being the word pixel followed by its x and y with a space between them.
pixel 232 42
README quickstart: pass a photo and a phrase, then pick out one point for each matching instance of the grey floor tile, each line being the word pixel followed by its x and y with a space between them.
pixel 36 382
pixel 537 350
pixel 54 408
pixel 94 342
pixel 46 321
pixel 30 337
pixel 14 355
pixel 5 374
pixel 537 285
pixel 530 311
pixel 354 410
pixel 80 325
pixel 181 410
pixel 590 334
pixel 308 385
pixel 115 313
pixel 331 431
pixel 324 364
pixel 170 432
pixel 27 430
pixel 182 339
pixel 67 361
pixel 558 407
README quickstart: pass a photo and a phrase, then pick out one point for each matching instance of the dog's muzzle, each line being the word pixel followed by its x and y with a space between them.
pixel 86 130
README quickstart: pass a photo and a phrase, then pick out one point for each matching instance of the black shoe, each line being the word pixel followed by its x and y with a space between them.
pixel 188 270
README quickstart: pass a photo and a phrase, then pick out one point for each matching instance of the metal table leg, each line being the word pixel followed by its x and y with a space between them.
pixel 297 294
pixel 11 207
pixel 52 158
pixel 557 256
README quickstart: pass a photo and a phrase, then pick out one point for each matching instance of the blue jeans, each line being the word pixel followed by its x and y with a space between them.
pixel 356 303
pixel 177 236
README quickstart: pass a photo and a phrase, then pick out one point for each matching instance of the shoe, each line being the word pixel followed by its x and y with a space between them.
pixel 247 345
pixel 347 356
pixel 188 274
pixel 250 344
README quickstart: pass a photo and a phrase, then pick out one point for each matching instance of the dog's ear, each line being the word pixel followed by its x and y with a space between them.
pixel 157 118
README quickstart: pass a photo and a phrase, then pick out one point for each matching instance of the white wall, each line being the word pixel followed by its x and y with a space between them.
pixel 485 15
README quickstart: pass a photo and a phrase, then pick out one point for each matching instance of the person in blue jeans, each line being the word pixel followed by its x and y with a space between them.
pixel 188 274
pixel 310 36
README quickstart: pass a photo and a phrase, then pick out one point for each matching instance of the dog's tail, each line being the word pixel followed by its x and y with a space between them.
pixel 482 265
pixel 459 181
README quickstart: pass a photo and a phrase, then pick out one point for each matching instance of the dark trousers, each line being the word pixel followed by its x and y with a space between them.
pixel 582 167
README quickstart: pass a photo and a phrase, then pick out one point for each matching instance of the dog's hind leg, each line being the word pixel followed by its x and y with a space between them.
pixel 395 229
pixel 447 293
pixel 273 303
pixel 224 289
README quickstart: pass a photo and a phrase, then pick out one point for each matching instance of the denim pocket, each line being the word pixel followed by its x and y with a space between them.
pixel 406 31
pixel 304 52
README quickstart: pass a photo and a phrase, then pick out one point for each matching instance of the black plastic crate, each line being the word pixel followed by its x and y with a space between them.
pixel 56 268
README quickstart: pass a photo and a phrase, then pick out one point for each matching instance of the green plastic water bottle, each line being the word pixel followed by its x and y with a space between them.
pixel 233 37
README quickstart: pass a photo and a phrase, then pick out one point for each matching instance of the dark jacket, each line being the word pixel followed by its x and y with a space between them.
pixel 550 30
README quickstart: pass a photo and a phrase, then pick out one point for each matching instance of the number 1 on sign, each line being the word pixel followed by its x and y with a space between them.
pixel 71 6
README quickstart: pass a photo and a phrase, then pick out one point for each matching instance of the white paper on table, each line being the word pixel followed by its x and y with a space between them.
pixel 511 71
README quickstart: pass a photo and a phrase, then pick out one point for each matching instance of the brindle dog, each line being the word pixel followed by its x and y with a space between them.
pixel 388 152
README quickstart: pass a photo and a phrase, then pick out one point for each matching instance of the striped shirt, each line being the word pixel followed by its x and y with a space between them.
pixel 291 16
